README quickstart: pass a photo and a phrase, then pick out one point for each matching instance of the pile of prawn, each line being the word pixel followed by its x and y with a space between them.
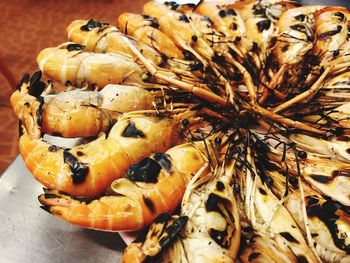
pixel 222 129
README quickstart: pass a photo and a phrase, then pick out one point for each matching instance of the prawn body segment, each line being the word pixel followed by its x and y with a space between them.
pixel 68 62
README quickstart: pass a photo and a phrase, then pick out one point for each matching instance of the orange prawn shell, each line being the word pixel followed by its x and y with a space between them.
pixel 106 159
pixel 323 22
pixel 140 29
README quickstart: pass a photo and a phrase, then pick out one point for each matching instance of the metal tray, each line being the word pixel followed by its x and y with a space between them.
pixel 29 234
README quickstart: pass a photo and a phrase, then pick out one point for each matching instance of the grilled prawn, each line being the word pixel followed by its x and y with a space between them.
pixel 102 37
pixel 76 113
pixel 88 169
pixel 153 186
pixel 264 212
pixel 212 229
pixel 325 222
pixel 69 62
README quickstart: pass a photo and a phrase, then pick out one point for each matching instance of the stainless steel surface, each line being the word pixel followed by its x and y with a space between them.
pixel 30 234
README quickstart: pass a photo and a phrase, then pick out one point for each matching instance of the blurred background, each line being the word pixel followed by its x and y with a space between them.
pixel 28 26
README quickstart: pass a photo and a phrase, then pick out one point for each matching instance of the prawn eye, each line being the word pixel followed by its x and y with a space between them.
pixel 184 18
pixel 146 171
pixel 185 122
pixel 269 181
pixel 302 154
pixel 218 141
pixel 293 181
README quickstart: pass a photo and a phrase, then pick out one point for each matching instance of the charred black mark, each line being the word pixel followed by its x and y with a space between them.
pixel 145 171
pixel 293 181
pixel 302 259
pixel 299 27
pixel 330 33
pixel 196 66
pixel 285 48
pixel 300 18
pixel 231 12
pixel 39 112
pixel 23 80
pixel 36 86
pixel 207 19
pixel 173 5
pixel 219 59
pixel 194 38
pixel 220 237
pixel 75 47
pixel 53 148
pixel 253 256
pixel 50 196
pixel 20 128
pixel 45 208
pixel 222 13
pixel 255 47
pixel 289 237
pixel 263 25
pixel 80 153
pixel 328 212
pixel 184 18
pixel 220 186
pixel 234 26
pixel 172 231
pixel 164 161
pixel 91 24
pixel 35 78
pixel 268 181
pixel 262 191
pixel 154 24
pixel 321 178
pixel 340 16
pixel 132 131
pixel 162 218
pixel 78 169
pixel 220 205
pixel 338 131
pixel 212 205
pixel 149 203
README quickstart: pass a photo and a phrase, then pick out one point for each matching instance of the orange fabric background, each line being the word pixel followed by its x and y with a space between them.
pixel 28 26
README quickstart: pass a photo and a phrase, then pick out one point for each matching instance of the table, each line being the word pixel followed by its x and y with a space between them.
pixel 30 234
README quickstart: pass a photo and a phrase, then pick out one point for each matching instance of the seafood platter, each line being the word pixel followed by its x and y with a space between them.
pixel 218 130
